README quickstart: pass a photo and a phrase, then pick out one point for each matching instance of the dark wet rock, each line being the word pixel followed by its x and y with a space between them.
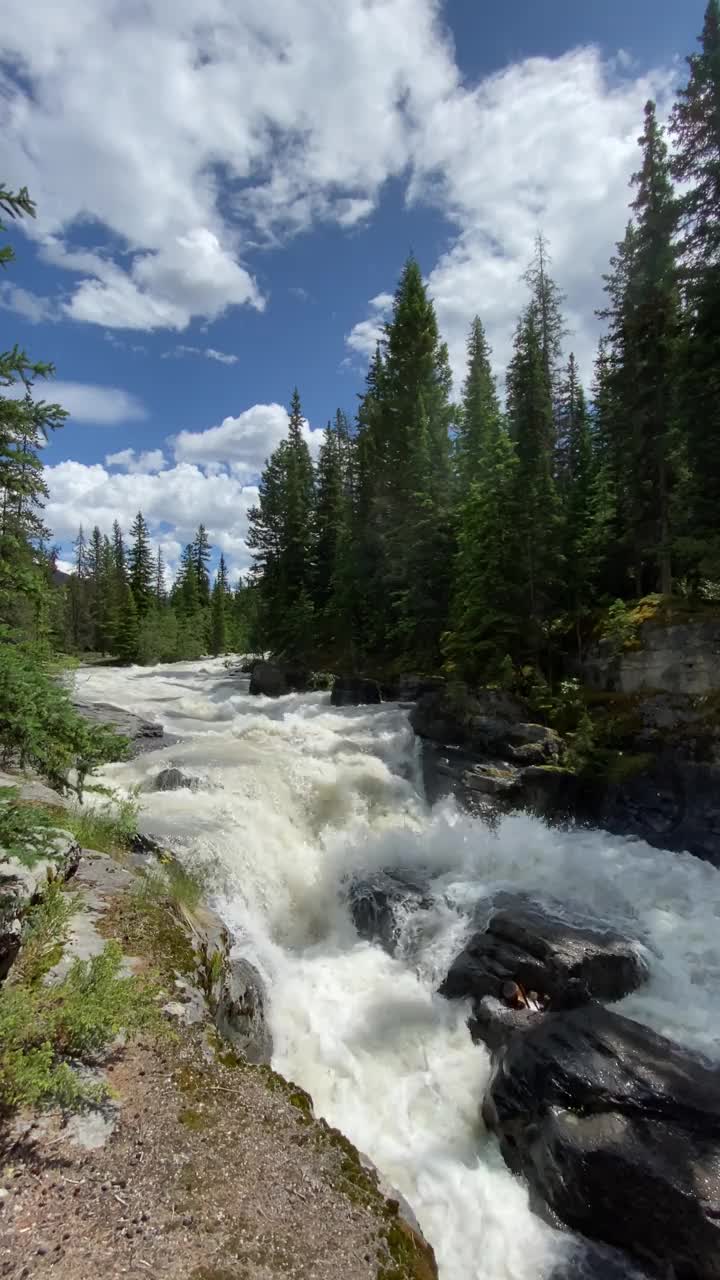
pixel 494 1023
pixel 408 688
pixel 274 679
pixel 378 902
pixel 142 735
pixel 240 1015
pixel 173 780
pixel 617 1129
pixel 354 691
pixel 567 962
pixel 481 721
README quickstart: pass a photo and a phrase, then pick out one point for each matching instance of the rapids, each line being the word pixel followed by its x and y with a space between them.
pixel 296 797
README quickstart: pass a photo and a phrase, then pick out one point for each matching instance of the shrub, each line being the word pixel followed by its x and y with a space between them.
pixel 42 1026
pixel 40 728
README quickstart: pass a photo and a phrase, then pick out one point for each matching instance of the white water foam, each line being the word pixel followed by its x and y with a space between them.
pixel 296 798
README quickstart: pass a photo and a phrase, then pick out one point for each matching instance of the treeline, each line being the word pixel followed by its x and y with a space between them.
pixel 483 535
pixel 116 601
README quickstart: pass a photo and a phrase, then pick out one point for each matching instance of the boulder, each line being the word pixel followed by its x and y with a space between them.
pixel 354 691
pixel 408 688
pixel 481 721
pixel 142 735
pixel 617 1130
pixel 565 961
pixel 240 1011
pixel 173 780
pixel 378 902
pixel 273 679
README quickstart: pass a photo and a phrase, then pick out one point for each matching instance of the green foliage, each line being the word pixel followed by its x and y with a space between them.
pixel 618 628
pixel 42 1026
pixel 40 729
pixel 109 827
pixel 44 933
pixel 174 884
pixel 26 832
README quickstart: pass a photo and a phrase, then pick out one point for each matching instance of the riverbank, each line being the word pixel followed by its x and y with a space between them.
pixel 196 1164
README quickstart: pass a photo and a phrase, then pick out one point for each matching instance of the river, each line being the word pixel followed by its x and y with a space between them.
pixel 295 798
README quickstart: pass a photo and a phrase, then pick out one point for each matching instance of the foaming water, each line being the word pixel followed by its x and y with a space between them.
pixel 296 797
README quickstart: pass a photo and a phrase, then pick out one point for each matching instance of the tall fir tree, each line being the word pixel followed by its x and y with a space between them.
pixel 696 165
pixel 480 413
pixel 141 566
pixel 532 425
pixel 484 613
pixel 201 555
pixel 219 610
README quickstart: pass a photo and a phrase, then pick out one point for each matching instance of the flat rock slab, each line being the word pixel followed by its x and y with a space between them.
pixel 569 963
pixel 618 1131
pixel 143 735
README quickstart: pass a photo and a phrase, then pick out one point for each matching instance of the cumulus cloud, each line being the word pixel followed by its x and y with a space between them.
pixel 243 443
pixel 174 502
pixel 137 463
pixel 365 335
pixel 188 132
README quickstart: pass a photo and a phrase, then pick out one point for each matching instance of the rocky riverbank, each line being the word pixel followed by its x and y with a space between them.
pixel 198 1162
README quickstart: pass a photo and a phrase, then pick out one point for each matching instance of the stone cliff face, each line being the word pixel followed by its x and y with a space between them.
pixel 678 658
pixel 654 769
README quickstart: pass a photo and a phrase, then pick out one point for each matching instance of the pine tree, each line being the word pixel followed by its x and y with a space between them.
pixel 586 502
pixel 696 164
pixel 547 301
pixel 160 585
pixel 218 625
pixel 480 414
pixel 647 321
pixel 532 427
pixel 128 627
pixel 141 566
pixel 331 524
pixel 281 537
pixel 485 613
pixel 201 555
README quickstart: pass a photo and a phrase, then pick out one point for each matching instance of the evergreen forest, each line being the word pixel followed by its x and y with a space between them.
pixel 478 531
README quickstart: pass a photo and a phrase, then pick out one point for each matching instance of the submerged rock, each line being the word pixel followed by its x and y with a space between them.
pixel 377 902
pixel 617 1129
pixel 569 963
pixel 273 679
pixel 173 780
pixel 354 691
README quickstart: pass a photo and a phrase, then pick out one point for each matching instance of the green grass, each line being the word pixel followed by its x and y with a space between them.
pixel 46 1029
pixel 173 884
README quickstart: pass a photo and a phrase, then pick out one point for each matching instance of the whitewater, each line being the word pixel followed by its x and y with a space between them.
pixel 295 799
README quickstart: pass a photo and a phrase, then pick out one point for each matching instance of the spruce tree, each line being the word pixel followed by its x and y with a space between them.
pixel 332 517
pixel 485 612
pixel 532 427
pixel 218 611
pixel 201 555
pixel 128 626
pixel 650 324
pixel 696 164
pixel 160 585
pixel 141 566
pixel 480 413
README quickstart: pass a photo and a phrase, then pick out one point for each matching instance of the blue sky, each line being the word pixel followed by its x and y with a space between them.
pixel 227 190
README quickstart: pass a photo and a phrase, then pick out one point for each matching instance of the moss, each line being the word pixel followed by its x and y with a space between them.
pixel 410 1258
pixel 149 927
pixel 194 1120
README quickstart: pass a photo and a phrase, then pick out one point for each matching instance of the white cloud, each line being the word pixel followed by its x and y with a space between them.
pixel 365 335
pixel 137 463
pixel 243 443
pixel 210 353
pixel 174 502
pixel 86 401
pixel 31 306
pixel 189 131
